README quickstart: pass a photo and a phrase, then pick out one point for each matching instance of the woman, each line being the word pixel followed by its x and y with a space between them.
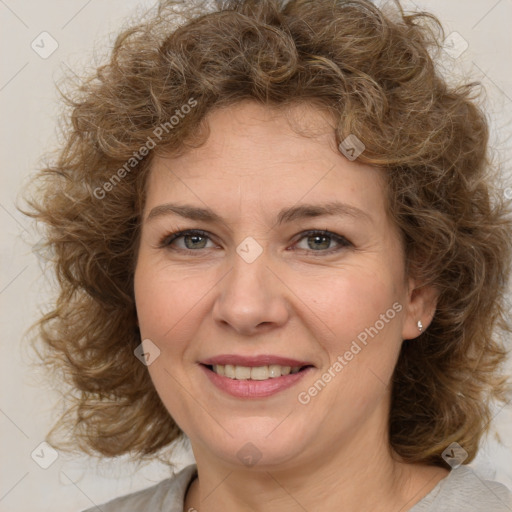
pixel 277 232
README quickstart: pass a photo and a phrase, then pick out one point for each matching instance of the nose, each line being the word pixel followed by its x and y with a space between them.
pixel 252 299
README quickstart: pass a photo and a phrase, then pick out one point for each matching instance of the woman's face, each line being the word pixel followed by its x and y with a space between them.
pixel 295 264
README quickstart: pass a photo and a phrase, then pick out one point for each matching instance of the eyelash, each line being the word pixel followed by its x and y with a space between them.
pixel 167 240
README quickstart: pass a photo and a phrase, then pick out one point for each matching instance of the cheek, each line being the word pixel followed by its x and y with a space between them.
pixel 352 301
pixel 165 311
pixel 339 307
pixel 166 300
pixel 362 316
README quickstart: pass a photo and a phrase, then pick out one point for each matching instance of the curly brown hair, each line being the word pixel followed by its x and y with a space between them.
pixel 375 72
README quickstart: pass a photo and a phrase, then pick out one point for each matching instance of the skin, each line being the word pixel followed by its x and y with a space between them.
pixel 295 300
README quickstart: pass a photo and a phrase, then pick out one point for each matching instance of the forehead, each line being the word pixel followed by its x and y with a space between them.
pixel 258 157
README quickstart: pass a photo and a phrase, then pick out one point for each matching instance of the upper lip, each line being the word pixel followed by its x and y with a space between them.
pixel 261 360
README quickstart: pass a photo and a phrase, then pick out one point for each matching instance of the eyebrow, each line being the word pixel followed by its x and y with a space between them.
pixel 289 214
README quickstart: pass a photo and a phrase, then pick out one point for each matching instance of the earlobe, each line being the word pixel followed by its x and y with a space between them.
pixel 420 310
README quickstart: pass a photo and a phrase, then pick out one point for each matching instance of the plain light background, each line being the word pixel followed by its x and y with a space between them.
pixel 29 106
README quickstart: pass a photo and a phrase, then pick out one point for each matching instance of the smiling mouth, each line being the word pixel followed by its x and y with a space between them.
pixel 236 372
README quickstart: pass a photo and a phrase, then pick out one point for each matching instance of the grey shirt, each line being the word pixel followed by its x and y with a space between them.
pixel 461 491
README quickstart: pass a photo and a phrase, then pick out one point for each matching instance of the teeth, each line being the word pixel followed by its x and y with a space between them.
pixel 229 370
pixel 218 369
pixel 242 373
pixel 259 373
pixel 254 372
pixel 274 370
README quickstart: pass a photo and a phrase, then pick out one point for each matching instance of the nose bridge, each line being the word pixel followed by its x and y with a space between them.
pixel 250 294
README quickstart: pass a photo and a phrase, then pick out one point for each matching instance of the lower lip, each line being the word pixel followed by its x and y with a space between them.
pixel 254 388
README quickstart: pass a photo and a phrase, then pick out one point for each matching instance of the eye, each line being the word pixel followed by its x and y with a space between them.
pixel 192 238
pixel 321 240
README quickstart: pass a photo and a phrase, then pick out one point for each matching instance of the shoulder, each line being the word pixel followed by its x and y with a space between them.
pixel 464 489
pixel 165 496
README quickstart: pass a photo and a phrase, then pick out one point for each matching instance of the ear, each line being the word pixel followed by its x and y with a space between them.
pixel 421 306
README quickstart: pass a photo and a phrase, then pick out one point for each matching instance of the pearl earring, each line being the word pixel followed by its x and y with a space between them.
pixel 420 326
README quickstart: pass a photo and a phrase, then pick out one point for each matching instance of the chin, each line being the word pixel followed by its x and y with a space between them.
pixel 258 443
